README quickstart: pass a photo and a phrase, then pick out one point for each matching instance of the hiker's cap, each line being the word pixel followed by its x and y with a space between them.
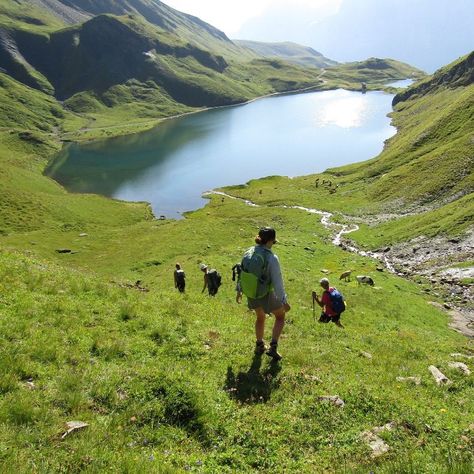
pixel 267 234
pixel 324 281
pixel 202 266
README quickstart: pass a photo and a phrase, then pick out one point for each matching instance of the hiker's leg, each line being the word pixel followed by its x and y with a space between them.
pixel 324 318
pixel 259 324
pixel 337 320
pixel 279 323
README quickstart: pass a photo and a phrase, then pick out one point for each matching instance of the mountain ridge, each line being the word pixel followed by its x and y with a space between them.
pixel 459 73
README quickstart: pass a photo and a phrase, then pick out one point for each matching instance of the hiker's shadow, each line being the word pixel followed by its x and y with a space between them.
pixel 253 386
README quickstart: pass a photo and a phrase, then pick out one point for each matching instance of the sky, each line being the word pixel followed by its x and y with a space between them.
pixel 231 16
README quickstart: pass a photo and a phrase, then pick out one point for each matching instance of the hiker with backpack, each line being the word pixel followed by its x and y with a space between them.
pixel 179 278
pixel 261 281
pixel 332 303
pixel 212 279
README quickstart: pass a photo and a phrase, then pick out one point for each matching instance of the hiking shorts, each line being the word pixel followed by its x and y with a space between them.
pixel 269 303
pixel 325 318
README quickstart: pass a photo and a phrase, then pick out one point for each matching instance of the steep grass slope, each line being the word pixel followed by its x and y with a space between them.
pixel 458 74
pixel 169 382
pixel 431 157
pixel 187 27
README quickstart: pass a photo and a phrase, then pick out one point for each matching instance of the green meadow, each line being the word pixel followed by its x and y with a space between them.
pixel 169 382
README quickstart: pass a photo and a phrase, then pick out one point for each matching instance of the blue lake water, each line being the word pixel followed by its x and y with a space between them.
pixel 171 165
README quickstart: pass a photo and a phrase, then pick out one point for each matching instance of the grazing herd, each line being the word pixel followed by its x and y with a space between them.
pixel 361 279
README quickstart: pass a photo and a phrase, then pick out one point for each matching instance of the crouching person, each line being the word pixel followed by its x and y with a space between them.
pixel 262 283
pixel 332 303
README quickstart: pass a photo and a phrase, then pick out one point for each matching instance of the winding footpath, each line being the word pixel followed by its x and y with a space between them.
pixel 341 229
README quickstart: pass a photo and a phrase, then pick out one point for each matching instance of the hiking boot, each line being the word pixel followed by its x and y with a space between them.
pixel 272 352
pixel 260 348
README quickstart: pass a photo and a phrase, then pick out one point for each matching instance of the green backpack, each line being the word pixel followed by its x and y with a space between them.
pixel 253 277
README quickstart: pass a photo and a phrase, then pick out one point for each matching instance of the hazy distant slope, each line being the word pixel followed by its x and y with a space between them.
pixel 425 33
pixel 291 52
pixel 372 70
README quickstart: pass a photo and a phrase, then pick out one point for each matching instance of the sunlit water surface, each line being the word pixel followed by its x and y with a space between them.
pixel 173 164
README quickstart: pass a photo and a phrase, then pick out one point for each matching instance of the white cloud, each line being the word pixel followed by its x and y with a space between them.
pixel 230 16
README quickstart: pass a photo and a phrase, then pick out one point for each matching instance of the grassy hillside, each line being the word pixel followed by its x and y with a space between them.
pixel 187 27
pixel 374 72
pixel 457 74
pixel 164 18
pixel 290 52
pixel 155 374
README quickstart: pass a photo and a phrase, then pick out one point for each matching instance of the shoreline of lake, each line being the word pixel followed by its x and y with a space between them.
pixel 163 125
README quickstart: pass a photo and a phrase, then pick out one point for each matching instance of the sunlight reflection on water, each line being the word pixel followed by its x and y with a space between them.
pixel 346 112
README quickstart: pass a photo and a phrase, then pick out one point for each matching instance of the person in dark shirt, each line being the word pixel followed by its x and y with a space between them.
pixel 179 278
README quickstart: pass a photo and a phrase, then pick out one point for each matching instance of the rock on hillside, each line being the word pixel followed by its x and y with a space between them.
pixel 61 10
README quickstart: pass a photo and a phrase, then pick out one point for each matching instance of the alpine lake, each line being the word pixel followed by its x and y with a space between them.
pixel 173 164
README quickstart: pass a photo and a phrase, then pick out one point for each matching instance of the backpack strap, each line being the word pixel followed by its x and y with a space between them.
pixel 263 254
